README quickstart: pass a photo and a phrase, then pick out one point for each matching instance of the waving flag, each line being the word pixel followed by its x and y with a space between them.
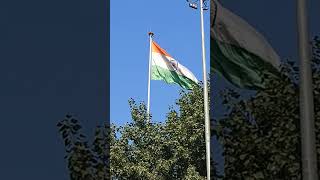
pixel 238 52
pixel 165 67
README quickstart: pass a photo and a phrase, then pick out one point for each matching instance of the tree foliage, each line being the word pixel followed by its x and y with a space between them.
pixel 260 135
pixel 171 149
pixel 174 149
pixel 85 161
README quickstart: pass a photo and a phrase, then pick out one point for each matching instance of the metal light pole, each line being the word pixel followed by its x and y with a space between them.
pixel 308 148
pixel 205 87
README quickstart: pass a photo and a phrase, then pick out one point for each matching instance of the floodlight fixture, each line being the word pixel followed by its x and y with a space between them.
pixel 193 5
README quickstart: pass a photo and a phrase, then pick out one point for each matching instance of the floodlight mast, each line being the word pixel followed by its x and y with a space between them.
pixel 205 86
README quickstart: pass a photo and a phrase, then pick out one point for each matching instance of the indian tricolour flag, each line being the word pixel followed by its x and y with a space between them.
pixel 165 67
pixel 238 52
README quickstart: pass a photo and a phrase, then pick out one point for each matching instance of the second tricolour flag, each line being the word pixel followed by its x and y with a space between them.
pixel 239 52
pixel 165 67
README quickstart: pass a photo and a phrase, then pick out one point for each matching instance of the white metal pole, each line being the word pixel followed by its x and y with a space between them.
pixel 308 147
pixel 205 92
pixel 149 75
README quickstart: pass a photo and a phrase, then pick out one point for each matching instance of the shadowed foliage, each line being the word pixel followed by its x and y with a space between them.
pixel 84 161
pixel 260 135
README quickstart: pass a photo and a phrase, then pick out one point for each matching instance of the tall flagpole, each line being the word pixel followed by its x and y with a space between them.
pixel 308 149
pixel 149 75
pixel 205 93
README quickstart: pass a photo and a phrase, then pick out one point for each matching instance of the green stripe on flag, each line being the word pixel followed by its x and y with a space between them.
pixel 239 66
pixel 159 73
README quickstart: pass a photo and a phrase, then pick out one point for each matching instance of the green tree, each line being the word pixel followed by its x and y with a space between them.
pixel 173 149
pixel 84 161
pixel 260 135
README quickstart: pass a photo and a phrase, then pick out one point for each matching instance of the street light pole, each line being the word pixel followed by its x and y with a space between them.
pixel 308 139
pixel 205 92
pixel 205 88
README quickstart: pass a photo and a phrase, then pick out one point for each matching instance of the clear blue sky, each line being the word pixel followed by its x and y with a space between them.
pixel 177 30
